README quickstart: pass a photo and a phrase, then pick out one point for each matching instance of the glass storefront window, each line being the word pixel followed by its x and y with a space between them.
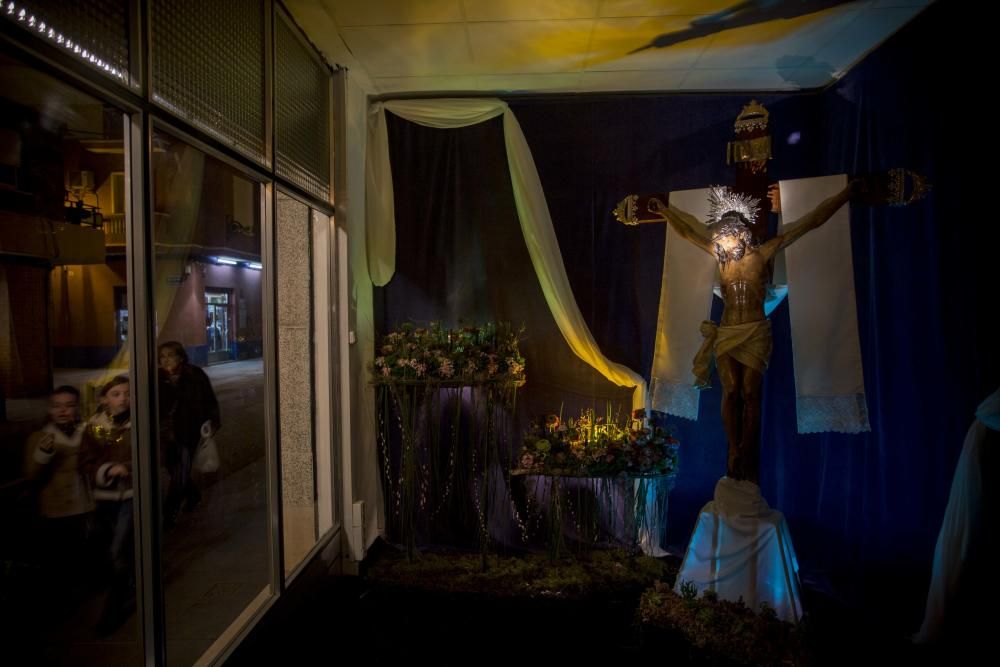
pixel 207 297
pixel 66 464
pixel 72 176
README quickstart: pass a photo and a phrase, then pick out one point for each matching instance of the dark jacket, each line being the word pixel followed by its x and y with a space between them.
pixel 185 406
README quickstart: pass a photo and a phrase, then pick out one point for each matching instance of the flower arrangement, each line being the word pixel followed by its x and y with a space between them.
pixel 593 446
pixel 433 354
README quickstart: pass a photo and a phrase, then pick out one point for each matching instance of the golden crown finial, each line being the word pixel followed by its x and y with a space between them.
pixel 753 117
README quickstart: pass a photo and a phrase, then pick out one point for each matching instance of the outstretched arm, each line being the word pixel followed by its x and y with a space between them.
pixel 685 224
pixel 817 216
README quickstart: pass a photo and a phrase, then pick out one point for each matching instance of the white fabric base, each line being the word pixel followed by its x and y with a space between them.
pixel 742 549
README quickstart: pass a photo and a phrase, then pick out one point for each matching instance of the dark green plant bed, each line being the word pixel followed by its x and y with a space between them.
pixel 524 609
pixel 708 631
pixel 598 575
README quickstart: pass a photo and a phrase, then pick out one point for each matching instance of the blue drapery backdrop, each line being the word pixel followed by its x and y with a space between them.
pixel 864 510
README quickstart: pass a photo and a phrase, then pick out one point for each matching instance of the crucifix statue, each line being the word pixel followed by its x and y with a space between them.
pixel 741 342
pixel 735 234
pixel 739 546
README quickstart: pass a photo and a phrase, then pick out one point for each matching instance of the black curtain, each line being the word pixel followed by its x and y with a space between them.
pixel 461 259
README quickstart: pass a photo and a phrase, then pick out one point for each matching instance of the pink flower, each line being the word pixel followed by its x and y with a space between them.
pixel 380 362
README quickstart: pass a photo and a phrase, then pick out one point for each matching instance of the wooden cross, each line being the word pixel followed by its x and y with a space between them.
pixel 749 151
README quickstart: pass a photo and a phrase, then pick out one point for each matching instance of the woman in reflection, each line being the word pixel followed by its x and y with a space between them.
pixel 187 403
pixel 106 462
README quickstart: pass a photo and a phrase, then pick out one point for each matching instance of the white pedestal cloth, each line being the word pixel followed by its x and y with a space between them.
pixel 741 548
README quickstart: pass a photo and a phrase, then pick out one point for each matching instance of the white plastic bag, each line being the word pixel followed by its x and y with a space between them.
pixel 206 456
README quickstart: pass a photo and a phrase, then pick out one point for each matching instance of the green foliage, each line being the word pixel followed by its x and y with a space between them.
pixel 597 574
pixel 720 632
pixel 689 590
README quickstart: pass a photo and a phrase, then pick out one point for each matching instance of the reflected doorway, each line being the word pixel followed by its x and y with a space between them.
pixel 218 316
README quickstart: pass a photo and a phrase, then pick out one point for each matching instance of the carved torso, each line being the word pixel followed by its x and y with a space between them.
pixel 744 288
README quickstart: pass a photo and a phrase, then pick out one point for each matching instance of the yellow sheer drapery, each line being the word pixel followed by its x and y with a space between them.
pixel 532 210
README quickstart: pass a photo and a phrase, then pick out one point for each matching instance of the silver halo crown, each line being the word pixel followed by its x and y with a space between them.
pixel 722 200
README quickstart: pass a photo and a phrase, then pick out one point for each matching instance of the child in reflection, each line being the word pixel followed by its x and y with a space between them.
pixel 106 462
pixel 64 498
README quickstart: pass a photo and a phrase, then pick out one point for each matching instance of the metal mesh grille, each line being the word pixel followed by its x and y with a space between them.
pixel 302 112
pixel 208 67
pixel 95 31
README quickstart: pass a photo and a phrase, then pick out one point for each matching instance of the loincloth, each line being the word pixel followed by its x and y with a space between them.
pixel 748 343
